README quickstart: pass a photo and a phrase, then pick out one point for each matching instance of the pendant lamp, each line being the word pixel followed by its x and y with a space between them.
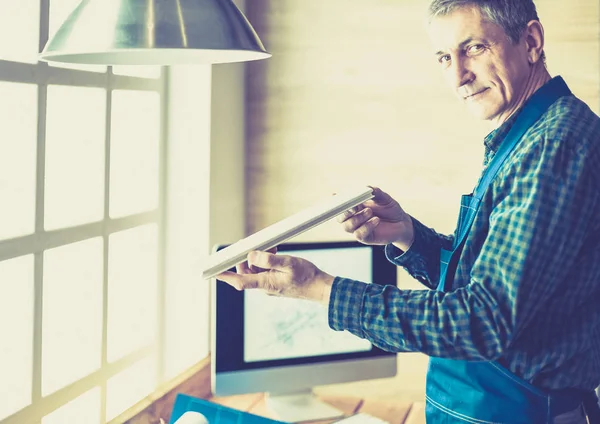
pixel 154 32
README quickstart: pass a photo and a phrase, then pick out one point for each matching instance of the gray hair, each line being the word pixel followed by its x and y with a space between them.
pixel 511 15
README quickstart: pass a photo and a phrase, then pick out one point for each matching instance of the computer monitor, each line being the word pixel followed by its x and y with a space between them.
pixel 285 347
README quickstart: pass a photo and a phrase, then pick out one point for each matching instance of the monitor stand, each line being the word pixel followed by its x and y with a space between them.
pixel 300 406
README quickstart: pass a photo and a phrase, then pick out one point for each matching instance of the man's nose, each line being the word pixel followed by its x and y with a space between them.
pixel 460 73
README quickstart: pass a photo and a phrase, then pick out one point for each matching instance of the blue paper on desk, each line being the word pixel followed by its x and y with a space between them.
pixel 214 413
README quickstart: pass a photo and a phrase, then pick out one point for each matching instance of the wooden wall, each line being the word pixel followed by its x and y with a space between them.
pixel 352 95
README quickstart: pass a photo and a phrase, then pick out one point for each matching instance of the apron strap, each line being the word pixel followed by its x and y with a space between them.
pixel 591 407
pixel 535 107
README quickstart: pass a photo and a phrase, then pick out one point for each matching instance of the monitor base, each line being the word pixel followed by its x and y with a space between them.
pixel 300 406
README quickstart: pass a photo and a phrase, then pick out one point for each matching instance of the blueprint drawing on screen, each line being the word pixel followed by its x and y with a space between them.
pixel 281 328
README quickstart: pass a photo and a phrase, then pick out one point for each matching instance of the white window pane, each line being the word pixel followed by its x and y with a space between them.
pixel 18 139
pixel 19 30
pixel 83 409
pixel 187 218
pixel 59 12
pixel 130 386
pixel 72 311
pixel 132 299
pixel 138 71
pixel 187 302
pixel 75 143
pixel 135 134
pixel 187 313
pixel 16 334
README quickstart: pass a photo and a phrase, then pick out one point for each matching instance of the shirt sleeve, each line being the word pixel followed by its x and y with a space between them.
pixel 536 231
pixel 422 259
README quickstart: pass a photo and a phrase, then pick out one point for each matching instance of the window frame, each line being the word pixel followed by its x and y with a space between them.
pixel 42 75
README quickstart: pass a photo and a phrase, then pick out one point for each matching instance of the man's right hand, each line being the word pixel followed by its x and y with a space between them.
pixel 380 220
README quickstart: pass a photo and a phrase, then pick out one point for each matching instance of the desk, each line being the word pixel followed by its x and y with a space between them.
pixel 394 412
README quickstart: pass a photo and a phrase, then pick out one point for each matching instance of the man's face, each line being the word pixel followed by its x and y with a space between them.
pixel 482 66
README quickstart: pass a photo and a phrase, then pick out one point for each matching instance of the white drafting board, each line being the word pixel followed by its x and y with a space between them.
pixel 284 230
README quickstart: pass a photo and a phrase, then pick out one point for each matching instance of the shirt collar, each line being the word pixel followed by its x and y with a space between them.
pixel 494 139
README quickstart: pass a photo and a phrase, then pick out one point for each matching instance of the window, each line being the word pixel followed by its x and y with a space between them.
pixel 102 227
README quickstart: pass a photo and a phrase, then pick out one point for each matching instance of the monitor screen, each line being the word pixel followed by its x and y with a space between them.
pixel 281 328
pixel 254 333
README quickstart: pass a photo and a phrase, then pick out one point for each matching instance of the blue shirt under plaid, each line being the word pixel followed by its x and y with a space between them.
pixel 527 287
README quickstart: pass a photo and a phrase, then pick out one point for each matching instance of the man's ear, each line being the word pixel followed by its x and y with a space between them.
pixel 534 40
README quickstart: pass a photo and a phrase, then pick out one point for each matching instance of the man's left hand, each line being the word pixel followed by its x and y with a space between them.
pixel 281 275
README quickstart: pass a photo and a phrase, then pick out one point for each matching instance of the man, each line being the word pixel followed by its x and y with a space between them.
pixel 512 320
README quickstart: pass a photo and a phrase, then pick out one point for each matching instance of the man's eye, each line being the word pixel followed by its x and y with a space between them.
pixel 444 60
pixel 476 48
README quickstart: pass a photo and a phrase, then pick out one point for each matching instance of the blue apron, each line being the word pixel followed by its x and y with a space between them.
pixel 485 392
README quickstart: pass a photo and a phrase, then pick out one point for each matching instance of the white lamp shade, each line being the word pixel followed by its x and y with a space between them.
pixel 154 32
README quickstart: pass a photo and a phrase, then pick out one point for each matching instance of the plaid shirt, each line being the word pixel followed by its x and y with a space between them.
pixel 527 287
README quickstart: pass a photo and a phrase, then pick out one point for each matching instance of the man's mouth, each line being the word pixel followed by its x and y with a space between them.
pixel 475 95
